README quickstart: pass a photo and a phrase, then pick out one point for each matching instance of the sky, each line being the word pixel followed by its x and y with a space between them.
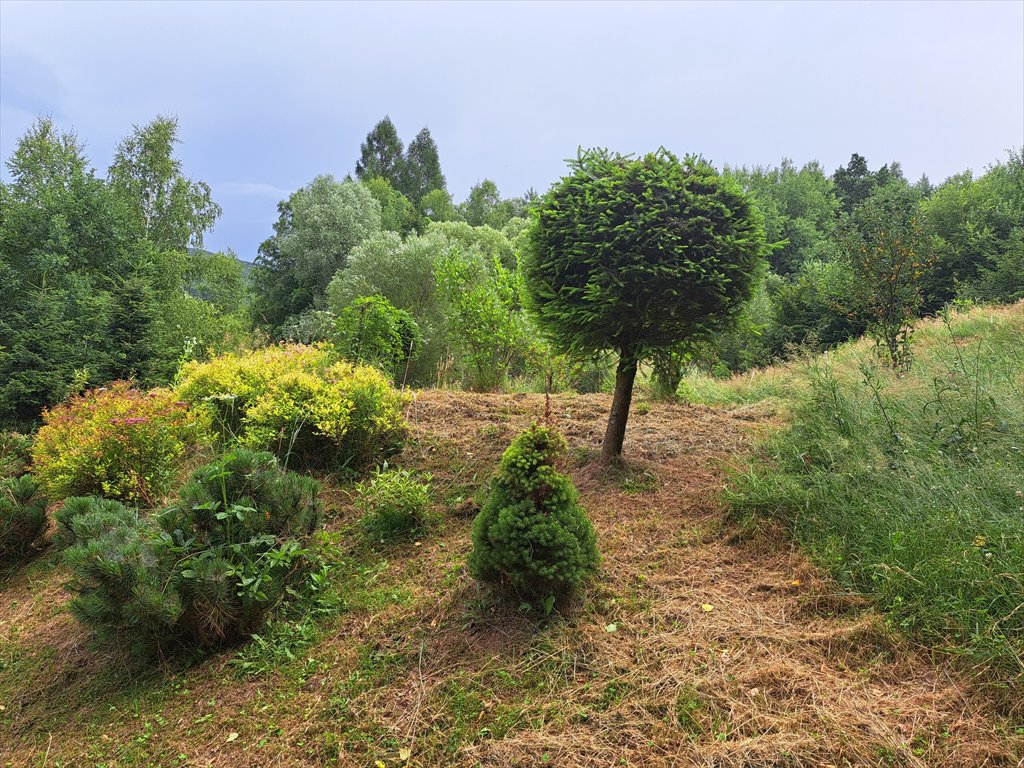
pixel 269 95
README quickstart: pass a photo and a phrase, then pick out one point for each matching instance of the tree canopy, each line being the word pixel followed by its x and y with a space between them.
pixel 633 255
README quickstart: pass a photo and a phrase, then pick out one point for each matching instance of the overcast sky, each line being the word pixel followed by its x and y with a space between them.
pixel 270 95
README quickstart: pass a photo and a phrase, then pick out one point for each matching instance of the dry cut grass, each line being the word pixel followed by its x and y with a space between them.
pixel 701 644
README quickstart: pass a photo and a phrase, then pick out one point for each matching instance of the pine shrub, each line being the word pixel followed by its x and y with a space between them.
pixel 22 516
pixel 81 518
pixel 394 502
pixel 531 534
pixel 206 569
pixel 118 442
pixel 15 453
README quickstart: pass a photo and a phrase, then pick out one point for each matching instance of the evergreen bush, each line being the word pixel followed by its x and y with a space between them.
pixel 87 517
pixel 205 570
pixel 531 534
pixel 15 453
pixel 394 502
pixel 117 442
pixel 22 516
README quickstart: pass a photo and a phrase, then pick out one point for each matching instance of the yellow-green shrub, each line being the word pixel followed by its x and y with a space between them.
pixel 294 401
pixel 118 442
pixel 230 383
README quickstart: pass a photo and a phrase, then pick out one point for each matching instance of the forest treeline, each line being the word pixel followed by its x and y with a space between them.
pixel 105 276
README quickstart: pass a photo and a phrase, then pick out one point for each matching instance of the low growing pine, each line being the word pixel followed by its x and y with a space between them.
pixel 22 517
pixel 206 569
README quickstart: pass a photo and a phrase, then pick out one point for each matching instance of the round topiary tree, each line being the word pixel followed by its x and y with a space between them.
pixel 636 255
pixel 531 534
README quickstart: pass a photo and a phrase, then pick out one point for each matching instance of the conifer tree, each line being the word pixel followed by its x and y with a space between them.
pixel 636 255
pixel 382 154
pixel 131 326
pixel 531 535
pixel 422 168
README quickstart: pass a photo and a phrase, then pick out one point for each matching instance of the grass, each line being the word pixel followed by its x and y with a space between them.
pixel 701 642
pixel 910 487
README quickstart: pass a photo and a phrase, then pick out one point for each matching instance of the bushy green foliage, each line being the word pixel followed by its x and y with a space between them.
pixel 206 569
pixel 15 453
pixel 911 486
pixel 295 401
pixel 817 306
pixel 118 442
pixel 531 534
pixel 461 285
pixel 394 502
pixel 641 254
pixel 799 208
pixel 976 227
pixel 635 255
pixel 81 518
pixel 397 213
pixel 371 330
pixel 22 516
pixel 486 314
pixel 310 326
pixel 317 228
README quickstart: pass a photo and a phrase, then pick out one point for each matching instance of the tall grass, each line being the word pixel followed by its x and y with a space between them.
pixel 911 487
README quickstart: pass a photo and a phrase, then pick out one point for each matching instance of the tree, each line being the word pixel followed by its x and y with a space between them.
pixel 636 255
pixel 372 331
pixel 437 205
pixel 485 313
pixel 64 238
pixel 482 203
pixel 131 328
pixel 422 168
pixel 172 210
pixel 854 182
pixel 403 272
pixel 886 248
pixel 397 213
pixel 316 230
pixel 976 226
pixel 800 209
pixel 531 535
pixel 381 154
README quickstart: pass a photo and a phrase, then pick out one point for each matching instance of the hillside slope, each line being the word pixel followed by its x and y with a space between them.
pixel 702 644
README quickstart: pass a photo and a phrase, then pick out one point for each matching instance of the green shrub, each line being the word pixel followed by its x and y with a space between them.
pixel 117 442
pixel 308 327
pixel 531 534
pixel 87 517
pixel 394 502
pixel 371 330
pixel 15 453
pixel 292 400
pixel 206 569
pixel 22 516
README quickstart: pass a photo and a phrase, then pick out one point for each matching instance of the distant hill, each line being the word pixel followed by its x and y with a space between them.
pixel 247 266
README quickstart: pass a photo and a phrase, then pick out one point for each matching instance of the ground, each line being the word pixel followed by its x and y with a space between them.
pixel 703 643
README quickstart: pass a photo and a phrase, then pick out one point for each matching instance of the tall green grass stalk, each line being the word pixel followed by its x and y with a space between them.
pixel 911 487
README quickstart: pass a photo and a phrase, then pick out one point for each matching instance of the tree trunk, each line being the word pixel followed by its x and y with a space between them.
pixel 625 375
